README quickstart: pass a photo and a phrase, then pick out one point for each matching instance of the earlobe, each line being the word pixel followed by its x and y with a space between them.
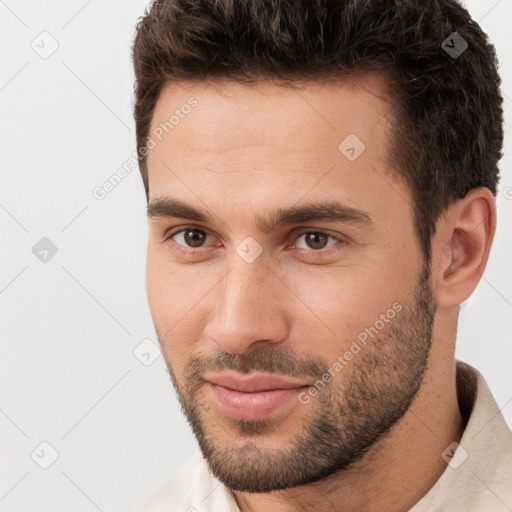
pixel 467 233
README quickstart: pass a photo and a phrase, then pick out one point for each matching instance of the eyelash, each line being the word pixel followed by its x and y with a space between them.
pixel 309 252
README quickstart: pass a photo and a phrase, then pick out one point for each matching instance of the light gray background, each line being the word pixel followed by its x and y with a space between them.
pixel 68 373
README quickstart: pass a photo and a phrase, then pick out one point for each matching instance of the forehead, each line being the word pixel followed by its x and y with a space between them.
pixel 259 143
pixel 227 114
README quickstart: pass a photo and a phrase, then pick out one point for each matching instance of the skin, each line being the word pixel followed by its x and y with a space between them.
pixel 241 152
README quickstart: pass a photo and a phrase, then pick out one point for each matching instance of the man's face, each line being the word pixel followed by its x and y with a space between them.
pixel 338 302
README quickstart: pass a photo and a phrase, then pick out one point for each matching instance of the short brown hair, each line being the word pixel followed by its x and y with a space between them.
pixel 447 133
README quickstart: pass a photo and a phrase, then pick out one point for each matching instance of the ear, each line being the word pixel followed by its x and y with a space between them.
pixel 461 246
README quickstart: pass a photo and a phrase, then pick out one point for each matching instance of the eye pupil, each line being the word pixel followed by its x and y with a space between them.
pixel 314 237
pixel 195 240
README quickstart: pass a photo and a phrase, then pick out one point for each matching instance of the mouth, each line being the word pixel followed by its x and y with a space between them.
pixel 252 397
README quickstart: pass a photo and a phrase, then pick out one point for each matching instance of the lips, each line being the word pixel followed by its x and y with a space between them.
pixel 253 383
pixel 252 397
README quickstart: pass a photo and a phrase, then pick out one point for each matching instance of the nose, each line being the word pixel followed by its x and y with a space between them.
pixel 250 308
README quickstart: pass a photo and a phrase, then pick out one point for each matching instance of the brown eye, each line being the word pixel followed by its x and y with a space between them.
pixel 315 240
pixel 193 238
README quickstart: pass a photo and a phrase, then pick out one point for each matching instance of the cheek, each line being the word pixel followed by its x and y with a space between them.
pixel 176 301
pixel 339 303
pixel 158 287
pixel 170 288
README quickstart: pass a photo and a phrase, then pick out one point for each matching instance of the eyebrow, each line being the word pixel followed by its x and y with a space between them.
pixel 326 211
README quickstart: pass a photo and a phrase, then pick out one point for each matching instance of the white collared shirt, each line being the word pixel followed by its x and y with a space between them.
pixel 477 478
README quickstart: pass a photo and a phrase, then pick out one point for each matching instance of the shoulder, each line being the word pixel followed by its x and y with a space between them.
pixel 479 475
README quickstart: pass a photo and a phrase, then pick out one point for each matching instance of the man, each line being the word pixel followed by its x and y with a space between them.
pixel 321 181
